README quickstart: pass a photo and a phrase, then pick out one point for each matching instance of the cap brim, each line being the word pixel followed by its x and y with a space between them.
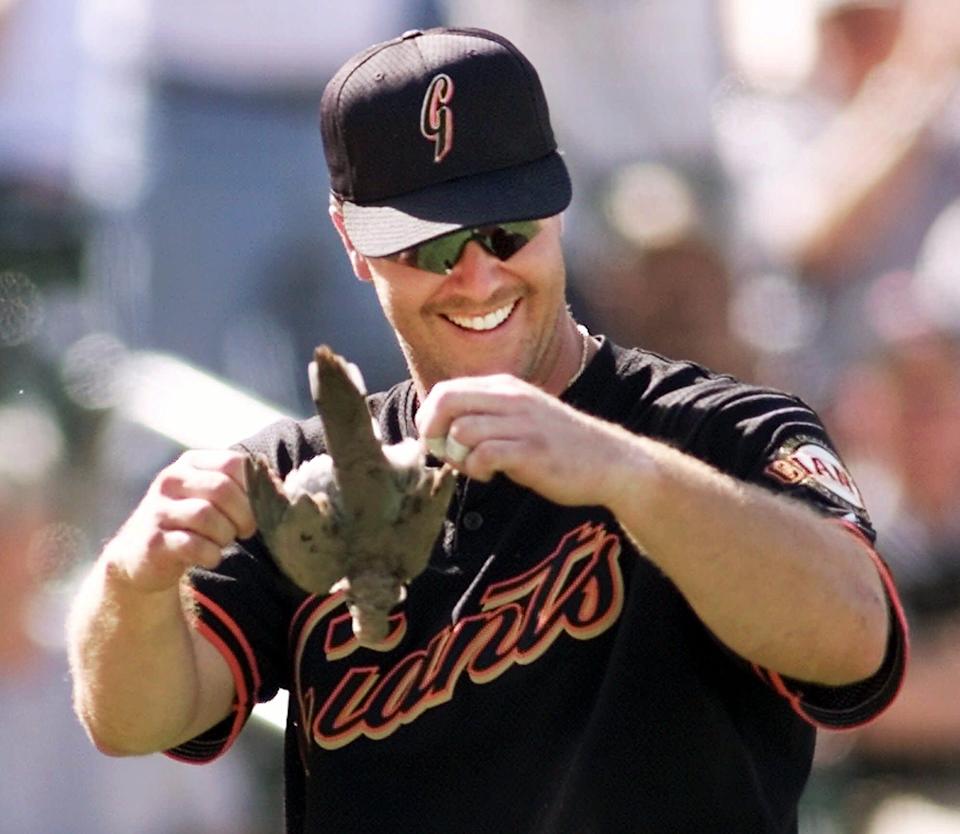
pixel 523 192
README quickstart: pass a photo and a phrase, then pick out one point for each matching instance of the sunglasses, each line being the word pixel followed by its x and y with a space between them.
pixel 440 254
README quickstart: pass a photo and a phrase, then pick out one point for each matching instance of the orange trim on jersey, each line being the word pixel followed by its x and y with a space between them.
pixel 888 583
pixel 892 594
pixel 245 698
pixel 242 707
pixel 296 616
pixel 234 629
pixel 795 699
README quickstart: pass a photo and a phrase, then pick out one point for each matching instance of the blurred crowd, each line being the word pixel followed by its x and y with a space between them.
pixel 770 190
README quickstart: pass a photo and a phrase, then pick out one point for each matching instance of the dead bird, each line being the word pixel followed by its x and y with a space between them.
pixel 362 517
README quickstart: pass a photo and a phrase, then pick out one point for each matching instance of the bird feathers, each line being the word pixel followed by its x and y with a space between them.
pixel 364 520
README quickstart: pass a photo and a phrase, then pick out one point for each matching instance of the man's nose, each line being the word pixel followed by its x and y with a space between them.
pixel 476 271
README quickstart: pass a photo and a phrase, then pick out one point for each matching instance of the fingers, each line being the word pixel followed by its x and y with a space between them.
pixel 486 425
pixel 194 508
pixel 198 517
pixel 482 444
pixel 216 481
pixel 226 461
pixel 440 415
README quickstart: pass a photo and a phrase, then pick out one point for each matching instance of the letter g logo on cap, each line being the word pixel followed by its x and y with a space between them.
pixel 436 118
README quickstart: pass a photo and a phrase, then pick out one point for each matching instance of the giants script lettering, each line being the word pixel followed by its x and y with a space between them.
pixel 577 590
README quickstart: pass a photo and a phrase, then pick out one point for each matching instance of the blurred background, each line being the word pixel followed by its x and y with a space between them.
pixel 771 189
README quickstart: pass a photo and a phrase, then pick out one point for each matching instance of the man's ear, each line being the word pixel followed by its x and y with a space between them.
pixel 359 263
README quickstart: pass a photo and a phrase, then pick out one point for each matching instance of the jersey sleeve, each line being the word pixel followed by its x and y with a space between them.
pixel 778 442
pixel 244 606
pixel 242 609
pixel 850 706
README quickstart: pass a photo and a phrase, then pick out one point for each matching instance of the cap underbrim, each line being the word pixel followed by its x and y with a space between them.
pixel 523 192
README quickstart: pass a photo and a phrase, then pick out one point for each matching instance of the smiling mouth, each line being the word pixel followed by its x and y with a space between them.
pixel 482 323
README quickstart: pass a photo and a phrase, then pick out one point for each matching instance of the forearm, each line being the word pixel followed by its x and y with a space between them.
pixel 136 684
pixel 144 678
pixel 777 583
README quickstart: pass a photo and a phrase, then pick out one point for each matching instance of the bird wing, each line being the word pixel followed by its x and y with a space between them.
pixel 303 535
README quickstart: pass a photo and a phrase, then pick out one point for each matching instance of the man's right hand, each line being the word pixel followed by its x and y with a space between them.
pixel 144 678
pixel 195 507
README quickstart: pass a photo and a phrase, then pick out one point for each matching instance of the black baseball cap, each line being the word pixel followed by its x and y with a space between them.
pixel 435 131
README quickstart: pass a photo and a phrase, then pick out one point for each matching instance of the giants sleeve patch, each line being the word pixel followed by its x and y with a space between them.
pixel 808 462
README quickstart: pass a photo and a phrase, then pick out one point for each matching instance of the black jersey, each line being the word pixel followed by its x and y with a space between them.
pixel 542 674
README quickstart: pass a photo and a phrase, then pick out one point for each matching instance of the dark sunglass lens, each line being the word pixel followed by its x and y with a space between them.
pixel 504 243
pixel 507 239
pixel 440 254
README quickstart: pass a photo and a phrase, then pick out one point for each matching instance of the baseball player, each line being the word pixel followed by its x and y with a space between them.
pixel 652 585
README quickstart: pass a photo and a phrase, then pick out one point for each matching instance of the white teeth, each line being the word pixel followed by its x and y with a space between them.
pixel 487 322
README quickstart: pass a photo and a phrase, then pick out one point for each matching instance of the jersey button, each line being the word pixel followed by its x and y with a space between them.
pixel 472 520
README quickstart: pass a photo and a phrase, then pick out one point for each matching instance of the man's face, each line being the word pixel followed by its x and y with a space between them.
pixel 486 316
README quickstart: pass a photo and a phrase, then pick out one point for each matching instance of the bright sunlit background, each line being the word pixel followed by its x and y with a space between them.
pixel 767 187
